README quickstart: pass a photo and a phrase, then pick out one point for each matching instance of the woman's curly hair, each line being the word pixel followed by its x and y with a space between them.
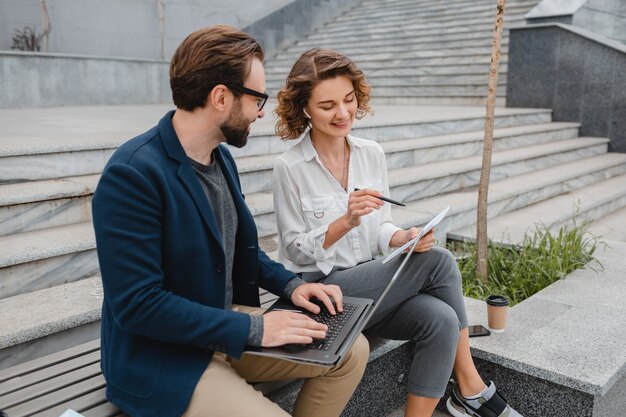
pixel 314 66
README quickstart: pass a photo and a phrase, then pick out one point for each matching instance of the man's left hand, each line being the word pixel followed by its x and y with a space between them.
pixel 303 294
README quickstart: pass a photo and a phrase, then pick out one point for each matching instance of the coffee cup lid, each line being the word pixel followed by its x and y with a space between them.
pixel 497 300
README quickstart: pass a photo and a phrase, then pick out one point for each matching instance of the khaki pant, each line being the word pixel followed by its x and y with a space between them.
pixel 223 388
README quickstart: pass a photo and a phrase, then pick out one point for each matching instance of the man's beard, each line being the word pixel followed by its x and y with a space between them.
pixel 235 128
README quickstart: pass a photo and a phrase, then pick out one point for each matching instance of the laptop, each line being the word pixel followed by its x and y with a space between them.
pixel 343 328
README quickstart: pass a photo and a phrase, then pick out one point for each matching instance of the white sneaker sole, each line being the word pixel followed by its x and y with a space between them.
pixel 454 411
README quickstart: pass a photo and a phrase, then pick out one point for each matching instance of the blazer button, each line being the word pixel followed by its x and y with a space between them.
pixel 219 268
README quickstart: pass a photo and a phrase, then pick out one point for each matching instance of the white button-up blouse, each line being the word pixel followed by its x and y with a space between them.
pixel 307 198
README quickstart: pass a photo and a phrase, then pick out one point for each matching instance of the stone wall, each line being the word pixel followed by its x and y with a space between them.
pixel 126 28
pixel 576 73
pixel 604 17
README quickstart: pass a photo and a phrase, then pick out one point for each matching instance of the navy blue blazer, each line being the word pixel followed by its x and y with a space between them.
pixel 162 264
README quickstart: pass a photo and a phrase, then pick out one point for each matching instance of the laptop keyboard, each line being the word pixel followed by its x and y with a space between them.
pixel 335 324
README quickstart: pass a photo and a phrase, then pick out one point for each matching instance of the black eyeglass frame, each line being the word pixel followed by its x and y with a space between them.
pixel 250 92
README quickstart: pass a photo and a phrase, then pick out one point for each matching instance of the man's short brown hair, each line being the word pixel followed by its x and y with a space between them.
pixel 208 57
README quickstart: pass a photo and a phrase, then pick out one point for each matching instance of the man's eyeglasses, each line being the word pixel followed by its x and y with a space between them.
pixel 262 96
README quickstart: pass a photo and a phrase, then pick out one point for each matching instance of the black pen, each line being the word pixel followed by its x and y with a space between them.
pixel 389 200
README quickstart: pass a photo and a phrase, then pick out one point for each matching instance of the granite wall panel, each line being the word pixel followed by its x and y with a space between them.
pixel 580 75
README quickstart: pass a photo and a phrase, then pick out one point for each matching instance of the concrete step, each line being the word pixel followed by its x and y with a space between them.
pixel 39 259
pixel 48 320
pixel 588 203
pixel 417 182
pixel 37 205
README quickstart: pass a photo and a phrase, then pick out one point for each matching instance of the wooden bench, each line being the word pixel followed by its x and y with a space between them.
pixel 47 386
pixel 71 378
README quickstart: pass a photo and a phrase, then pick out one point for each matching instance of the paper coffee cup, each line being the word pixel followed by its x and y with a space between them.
pixel 497 311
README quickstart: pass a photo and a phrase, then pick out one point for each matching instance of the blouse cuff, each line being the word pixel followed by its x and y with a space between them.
pixel 312 245
pixel 387 230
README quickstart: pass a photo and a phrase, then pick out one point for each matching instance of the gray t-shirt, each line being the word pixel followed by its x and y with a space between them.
pixel 221 201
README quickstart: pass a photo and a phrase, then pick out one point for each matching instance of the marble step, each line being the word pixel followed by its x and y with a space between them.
pixel 42 204
pixel 39 259
pixel 398 36
pixel 512 193
pixel 51 319
pixel 508 175
pixel 401 45
pixel 394 123
pixel 373 69
pixel 470 16
pixel 386 17
pixel 428 6
pixel 407 30
pixel 418 182
pixel 32 163
pixel 338 30
pixel 256 171
pixel 451 55
pixel 588 203
pixel 37 205
pixel 70 153
pixel 377 82
pixel 440 100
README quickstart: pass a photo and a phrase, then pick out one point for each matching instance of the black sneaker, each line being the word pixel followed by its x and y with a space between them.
pixel 489 404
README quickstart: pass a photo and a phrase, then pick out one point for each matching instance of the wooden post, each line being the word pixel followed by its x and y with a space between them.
pixel 481 221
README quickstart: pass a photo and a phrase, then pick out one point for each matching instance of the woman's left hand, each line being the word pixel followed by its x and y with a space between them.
pixel 424 245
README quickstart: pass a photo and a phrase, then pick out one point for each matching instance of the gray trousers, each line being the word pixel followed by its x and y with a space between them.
pixel 425 305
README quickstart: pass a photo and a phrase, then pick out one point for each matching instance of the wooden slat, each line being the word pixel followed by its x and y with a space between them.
pixel 103 410
pixel 53 399
pixel 50 385
pixel 48 360
pixel 44 374
pixel 79 404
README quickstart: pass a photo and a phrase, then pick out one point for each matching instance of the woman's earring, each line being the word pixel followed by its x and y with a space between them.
pixel 306 114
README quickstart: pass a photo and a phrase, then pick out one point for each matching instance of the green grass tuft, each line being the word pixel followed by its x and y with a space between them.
pixel 521 271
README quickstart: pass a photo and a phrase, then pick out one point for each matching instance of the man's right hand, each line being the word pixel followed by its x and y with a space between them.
pixel 284 327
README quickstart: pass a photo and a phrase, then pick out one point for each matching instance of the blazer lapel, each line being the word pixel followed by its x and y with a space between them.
pixel 187 175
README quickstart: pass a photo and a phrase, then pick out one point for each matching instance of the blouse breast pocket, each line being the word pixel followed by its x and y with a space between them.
pixel 319 210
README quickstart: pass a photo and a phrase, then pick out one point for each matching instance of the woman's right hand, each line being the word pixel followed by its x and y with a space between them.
pixel 360 203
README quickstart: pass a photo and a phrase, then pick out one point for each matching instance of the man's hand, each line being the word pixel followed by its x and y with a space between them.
pixel 283 327
pixel 322 292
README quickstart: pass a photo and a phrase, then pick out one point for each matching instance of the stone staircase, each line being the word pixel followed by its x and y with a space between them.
pixel 419 52
pixel 50 161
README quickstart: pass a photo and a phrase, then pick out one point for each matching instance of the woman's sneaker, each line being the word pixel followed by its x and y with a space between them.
pixel 489 404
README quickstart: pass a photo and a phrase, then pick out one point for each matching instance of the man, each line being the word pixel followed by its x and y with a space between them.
pixel 179 256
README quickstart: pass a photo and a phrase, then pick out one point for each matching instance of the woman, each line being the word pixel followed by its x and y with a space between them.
pixel 332 234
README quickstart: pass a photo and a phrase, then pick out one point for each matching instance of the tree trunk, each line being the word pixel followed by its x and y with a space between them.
pixel 45 23
pixel 481 221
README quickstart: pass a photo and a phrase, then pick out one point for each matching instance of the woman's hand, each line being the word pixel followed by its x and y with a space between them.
pixel 403 236
pixel 361 203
